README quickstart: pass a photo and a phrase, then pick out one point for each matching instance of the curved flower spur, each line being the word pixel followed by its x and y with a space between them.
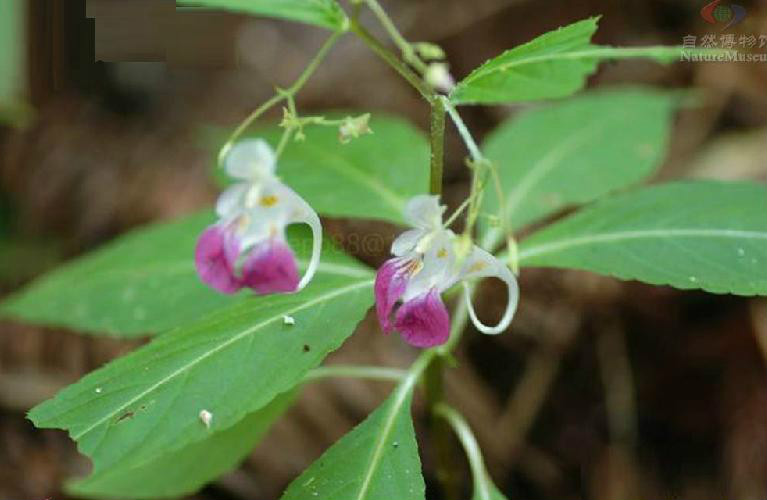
pixel 247 246
pixel 428 260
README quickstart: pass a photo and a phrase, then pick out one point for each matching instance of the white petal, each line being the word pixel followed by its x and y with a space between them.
pixel 424 212
pixel 438 270
pixel 406 242
pixel 481 264
pixel 250 159
pixel 231 201
pixel 301 212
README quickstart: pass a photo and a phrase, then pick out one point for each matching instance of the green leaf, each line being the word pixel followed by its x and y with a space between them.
pixel 575 151
pixel 145 282
pixel 553 65
pixel 323 13
pixel 371 177
pixel 707 235
pixel 231 363
pixel 377 460
pixel 186 470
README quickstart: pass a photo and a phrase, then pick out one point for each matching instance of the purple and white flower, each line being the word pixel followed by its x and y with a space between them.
pixel 428 260
pixel 247 246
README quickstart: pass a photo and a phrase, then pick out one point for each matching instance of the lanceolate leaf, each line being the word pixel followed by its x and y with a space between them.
pixel 707 235
pixel 231 363
pixel 371 177
pixel 377 460
pixel 555 64
pixel 145 282
pixel 575 151
pixel 185 470
pixel 324 13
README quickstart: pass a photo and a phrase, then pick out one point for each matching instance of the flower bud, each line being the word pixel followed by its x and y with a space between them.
pixel 429 51
pixel 438 77
pixel 354 127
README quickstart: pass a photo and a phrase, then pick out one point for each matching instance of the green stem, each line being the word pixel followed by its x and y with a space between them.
pixel 480 162
pixel 437 139
pixel 280 95
pixel 431 363
pixel 392 60
pixel 314 63
pixel 408 54
pixel 463 130
pixel 283 141
pixel 247 122
pixel 356 371
pixel 444 445
pixel 457 213
pixel 479 473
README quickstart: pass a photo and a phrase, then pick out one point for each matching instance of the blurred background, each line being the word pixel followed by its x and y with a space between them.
pixel 602 389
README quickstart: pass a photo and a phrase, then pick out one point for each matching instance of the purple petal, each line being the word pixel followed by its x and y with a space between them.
pixel 391 282
pixel 215 257
pixel 424 321
pixel 271 268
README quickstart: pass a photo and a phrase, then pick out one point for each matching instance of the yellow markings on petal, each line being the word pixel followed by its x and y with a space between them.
pixel 414 267
pixel 477 266
pixel 442 253
pixel 242 222
pixel 268 200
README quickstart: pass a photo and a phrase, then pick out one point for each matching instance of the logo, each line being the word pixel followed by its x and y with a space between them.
pixel 718 13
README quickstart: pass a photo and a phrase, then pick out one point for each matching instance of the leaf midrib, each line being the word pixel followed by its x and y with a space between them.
pixel 599 52
pixel 402 393
pixel 223 345
pixel 611 237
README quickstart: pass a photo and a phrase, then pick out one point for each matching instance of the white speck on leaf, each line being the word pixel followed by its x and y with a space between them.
pixel 98 390
pixel 741 252
pixel 693 279
pixel 288 320
pixel 206 418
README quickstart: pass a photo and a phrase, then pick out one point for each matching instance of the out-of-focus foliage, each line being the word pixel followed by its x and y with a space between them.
pixel 574 151
pixel 691 235
pixel 371 176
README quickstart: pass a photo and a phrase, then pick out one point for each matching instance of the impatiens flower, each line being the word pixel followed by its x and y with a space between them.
pixel 428 260
pixel 247 246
